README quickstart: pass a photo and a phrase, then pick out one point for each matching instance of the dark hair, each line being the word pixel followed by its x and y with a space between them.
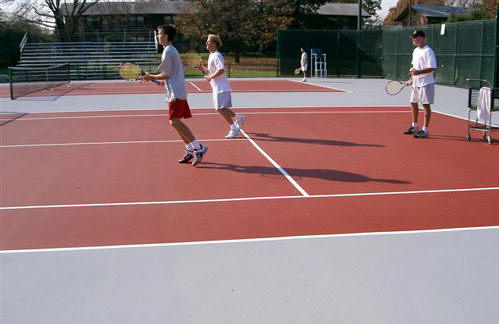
pixel 169 30
pixel 417 33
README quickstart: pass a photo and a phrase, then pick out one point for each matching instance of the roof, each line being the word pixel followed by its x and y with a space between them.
pixel 440 11
pixel 341 9
pixel 135 8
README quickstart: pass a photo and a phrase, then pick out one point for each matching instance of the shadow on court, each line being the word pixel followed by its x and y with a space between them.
pixel 269 137
pixel 324 174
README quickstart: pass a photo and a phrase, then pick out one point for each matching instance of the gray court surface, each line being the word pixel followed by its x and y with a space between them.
pixel 444 276
pixel 440 277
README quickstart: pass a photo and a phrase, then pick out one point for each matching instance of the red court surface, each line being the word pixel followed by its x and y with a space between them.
pixel 193 86
pixel 112 178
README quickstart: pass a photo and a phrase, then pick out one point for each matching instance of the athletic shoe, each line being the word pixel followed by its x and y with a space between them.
pixel 411 130
pixel 233 133
pixel 240 120
pixel 189 155
pixel 198 154
pixel 304 80
pixel 421 134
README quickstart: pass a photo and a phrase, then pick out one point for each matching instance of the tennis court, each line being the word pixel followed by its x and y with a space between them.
pixel 322 211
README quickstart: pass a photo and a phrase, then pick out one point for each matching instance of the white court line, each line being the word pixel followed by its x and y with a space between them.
pixel 253 240
pixel 323 86
pixel 208 114
pixel 89 117
pixel 195 86
pixel 173 202
pixel 277 166
pixel 115 143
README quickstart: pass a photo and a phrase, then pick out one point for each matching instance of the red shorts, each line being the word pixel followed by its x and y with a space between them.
pixel 179 109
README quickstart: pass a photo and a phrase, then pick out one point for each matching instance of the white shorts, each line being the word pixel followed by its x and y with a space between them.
pixel 222 100
pixel 424 95
pixel 304 67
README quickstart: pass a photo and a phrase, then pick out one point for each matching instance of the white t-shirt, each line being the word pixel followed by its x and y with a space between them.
pixel 221 83
pixel 304 59
pixel 171 65
pixel 423 58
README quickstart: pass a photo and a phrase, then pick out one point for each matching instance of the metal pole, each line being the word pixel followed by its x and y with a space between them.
pixel 359 18
pixel 496 53
pixel 359 27
pixel 409 23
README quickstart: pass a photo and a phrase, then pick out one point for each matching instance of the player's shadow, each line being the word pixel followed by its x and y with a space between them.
pixel 269 137
pixel 324 174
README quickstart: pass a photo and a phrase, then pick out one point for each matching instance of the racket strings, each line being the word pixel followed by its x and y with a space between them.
pixel 394 87
pixel 192 59
pixel 130 71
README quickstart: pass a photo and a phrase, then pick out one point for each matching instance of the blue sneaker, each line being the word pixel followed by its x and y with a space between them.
pixel 198 155
pixel 421 134
pixel 412 130
pixel 189 155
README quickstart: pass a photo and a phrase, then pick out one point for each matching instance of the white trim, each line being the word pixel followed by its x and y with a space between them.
pixel 239 108
pixel 276 165
pixel 254 240
pixel 216 200
pixel 113 143
pixel 195 86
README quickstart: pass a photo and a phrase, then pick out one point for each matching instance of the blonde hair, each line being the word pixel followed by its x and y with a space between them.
pixel 215 39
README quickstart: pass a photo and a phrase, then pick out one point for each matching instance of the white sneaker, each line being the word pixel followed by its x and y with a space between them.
pixel 304 80
pixel 239 121
pixel 233 133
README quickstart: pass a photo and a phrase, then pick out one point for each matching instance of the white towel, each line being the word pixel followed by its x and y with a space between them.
pixel 483 109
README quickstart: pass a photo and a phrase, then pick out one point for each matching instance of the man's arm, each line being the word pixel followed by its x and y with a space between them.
pixel 427 70
pixel 216 74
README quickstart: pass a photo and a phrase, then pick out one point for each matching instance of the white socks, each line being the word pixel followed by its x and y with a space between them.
pixel 194 145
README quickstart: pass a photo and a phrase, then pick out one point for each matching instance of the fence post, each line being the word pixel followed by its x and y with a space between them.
pixel 359 53
pixel 397 55
pixel 496 53
pixel 454 81
pixel 10 85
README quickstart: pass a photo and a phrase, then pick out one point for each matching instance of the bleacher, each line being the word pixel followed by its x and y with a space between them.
pixel 95 60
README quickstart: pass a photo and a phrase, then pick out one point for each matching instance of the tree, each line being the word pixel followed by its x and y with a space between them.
pixel 305 13
pixel 61 15
pixel 12 30
pixel 240 24
pixel 249 24
pixel 372 7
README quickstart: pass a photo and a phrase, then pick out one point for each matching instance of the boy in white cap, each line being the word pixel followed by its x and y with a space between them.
pixel 424 64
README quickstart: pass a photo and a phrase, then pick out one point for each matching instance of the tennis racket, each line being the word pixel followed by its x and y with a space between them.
pixel 131 71
pixel 156 43
pixel 192 59
pixel 297 70
pixel 394 87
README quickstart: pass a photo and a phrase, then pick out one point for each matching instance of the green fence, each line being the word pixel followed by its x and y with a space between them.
pixel 463 50
pixel 343 54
